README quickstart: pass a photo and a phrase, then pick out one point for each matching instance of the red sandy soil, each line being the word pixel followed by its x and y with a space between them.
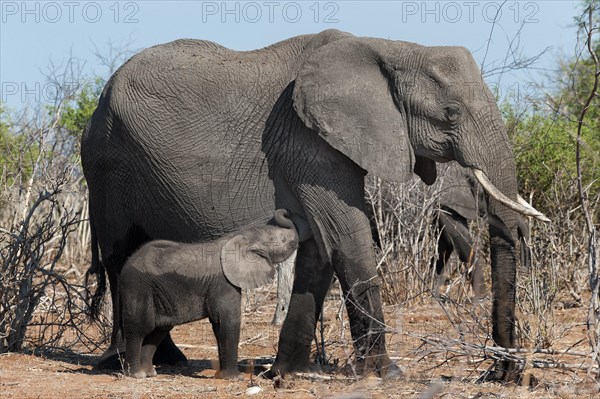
pixel 426 373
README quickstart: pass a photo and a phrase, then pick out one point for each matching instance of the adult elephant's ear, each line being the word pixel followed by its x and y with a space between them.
pixel 342 92
pixel 243 264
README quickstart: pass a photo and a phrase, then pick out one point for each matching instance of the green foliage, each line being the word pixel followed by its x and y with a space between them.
pixel 545 151
pixel 19 146
pixel 17 153
pixel 78 112
pixel 544 146
pixel 545 137
pixel 3 121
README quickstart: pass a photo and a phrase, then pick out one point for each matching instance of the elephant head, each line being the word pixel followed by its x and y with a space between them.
pixel 248 258
pixel 395 108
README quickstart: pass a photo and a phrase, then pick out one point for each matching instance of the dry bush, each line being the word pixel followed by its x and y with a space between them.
pixel 557 280
pixel 44 238
pixel 558 276
pixel 403 215
pixel 38 302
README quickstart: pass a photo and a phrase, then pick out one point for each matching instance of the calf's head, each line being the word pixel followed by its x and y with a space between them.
pixel 248 258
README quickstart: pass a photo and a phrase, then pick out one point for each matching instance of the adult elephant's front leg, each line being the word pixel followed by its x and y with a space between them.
pixel 311 282
pixel 355 269
pixel 342 243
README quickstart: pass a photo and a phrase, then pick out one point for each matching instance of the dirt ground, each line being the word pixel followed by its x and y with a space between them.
pixel 427 372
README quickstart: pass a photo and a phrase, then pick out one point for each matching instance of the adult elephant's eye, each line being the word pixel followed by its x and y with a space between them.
pixel 453 113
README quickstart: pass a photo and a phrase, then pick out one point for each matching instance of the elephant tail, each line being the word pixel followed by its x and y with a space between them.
pixel 97 268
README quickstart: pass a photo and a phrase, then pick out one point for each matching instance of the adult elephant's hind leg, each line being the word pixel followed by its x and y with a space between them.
pixel 311 283
pixel 110 359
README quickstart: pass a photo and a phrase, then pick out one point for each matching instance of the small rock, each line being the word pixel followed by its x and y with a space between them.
pixel 253 390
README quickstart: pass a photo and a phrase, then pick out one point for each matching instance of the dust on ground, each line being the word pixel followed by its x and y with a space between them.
pixel 427 372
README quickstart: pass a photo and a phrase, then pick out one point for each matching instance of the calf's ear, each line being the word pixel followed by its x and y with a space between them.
pixel 243 264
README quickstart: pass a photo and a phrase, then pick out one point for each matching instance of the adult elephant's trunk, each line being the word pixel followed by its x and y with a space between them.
pixel 502 229
pixel 498 179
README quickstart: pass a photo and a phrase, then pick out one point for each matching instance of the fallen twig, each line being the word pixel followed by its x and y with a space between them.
pixel 520 356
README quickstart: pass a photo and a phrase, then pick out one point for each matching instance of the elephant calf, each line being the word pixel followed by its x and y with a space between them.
pixel 166 283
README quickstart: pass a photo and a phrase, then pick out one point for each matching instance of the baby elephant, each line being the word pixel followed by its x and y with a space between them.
pixel 166 283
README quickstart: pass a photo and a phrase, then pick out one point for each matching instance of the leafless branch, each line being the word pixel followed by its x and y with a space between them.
pixel 593 246
pixel 480 353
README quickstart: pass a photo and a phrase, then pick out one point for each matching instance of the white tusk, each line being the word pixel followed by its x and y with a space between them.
pixel 496 194
pixel 523 202
pixel 527 205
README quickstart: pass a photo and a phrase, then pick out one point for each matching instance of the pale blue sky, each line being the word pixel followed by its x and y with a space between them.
pixel 34 33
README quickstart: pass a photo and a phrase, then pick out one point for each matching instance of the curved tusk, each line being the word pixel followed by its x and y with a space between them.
pixel 523 202
pixel 496 194
pixel 527 205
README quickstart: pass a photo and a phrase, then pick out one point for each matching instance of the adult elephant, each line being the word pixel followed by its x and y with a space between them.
pixel 191 141
pixel 461 200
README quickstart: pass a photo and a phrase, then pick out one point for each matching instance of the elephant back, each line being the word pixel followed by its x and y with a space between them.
pixel 174 126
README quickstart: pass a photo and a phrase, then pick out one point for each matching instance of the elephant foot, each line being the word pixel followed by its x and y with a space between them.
pixel 281 368
pixel 151 372
pixel 509 372
pixel 167 353
pixel 230 374
pixel 381 365
pixel 138 374
pixel 111 359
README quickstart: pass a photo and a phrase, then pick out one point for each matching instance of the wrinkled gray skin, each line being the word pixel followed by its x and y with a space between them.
pixel 462 200
pixel 166 283
pixel 191 141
